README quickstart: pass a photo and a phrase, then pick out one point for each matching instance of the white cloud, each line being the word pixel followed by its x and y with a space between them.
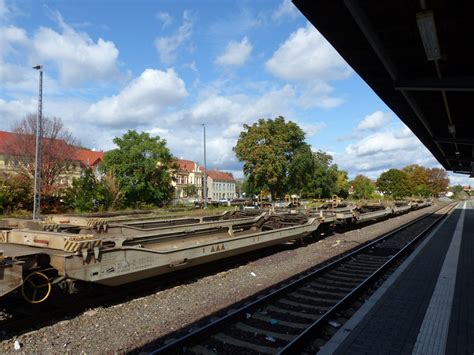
pixel 317 94
pixel 165 18
pixel 381 151
pixel 307 56
pixel 285 10
pixel 4 11
pixel 167 46
pixel 141 100
pixel 375 120
pixel 236 53
pixel 460 179
pixel 10 38
pixel 78 57
pixel 312 129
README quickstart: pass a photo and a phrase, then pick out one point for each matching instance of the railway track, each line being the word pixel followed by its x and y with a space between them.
pixel 289 318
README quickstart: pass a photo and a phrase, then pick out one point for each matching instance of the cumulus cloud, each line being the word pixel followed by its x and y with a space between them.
pixel 381 151
pixel 10 38
pixel 165 18
pixel 286 9
pixel 167 46
pixel 236 53
pixel 306 56
pixel 318 94
pixel 4 10
pixel 373 121
pixel 77 56
pixel 141 100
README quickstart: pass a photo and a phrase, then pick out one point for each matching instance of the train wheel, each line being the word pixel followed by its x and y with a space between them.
pixel 36 287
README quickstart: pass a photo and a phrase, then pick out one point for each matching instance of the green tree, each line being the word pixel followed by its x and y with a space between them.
pixel 190 190
pixel 268 149
pixel 438 180
pixel 248 188
pixel 394 183
pixel 418 179
pixel 342 184
pixel 363 187
pixel 141 165
pixel 322 179
pixel 16 193
pixel 87 194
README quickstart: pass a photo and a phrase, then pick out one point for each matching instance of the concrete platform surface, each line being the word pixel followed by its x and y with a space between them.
pixel 427 305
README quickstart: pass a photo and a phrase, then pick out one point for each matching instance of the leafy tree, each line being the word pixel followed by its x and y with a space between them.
pixel 190 190
pixel 322 180
pixel 394 183
pixel 364 188
pixel 418 179
pixel 342 184
pixel 87 194
pixel 248 188
pixel 268 149
pixel 57 153
pixel 457 189
pixel 438 180
pixel 16 193
pixel 141 164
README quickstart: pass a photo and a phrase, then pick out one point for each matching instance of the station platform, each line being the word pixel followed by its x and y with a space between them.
pixel 427 305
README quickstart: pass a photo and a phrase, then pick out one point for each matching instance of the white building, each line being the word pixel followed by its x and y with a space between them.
pixel 220 185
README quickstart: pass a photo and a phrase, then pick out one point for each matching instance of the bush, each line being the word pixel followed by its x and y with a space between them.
pixel 16 193
pixel 87 194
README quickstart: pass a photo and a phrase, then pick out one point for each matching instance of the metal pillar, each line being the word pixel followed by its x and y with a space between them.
pixel 204 180
pixel 39 134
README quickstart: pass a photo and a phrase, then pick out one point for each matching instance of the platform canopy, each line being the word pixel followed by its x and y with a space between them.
pixel 418 58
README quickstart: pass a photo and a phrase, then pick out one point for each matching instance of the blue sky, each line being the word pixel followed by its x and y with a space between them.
pixel 166 67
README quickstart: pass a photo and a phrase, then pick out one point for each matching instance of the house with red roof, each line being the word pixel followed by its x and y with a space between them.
pixel 187 174
pixel 221 185
pixel 82 158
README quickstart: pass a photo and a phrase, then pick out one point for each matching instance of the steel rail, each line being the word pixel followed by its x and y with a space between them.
pixel 303 338
pixel 173 346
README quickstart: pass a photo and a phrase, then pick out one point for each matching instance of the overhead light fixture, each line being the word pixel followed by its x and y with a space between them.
pixel 429 37
pixel 452 129
pixel 457 153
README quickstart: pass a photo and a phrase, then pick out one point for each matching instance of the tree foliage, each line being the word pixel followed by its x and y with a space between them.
pixel 190 190
pixel 88 194
pixel 16 193
pixel 438 180
pixel 141 164
pixel 271 150
pixel 323 178
pixel 57 152
pixel 363 187
pixel 394 183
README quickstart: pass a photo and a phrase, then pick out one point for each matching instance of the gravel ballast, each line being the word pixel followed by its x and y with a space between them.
pixel 133 324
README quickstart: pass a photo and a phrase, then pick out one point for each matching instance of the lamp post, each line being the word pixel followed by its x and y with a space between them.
pixel 39 131
pixel 204 181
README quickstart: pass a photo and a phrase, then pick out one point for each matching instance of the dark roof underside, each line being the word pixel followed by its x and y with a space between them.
pixel 381 41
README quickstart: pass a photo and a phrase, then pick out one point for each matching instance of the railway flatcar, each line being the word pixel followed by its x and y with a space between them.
pixel 115 252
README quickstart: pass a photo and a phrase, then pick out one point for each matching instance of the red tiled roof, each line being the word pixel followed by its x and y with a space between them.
pixel 186 165
pixel 219 175
pixel 6 140
pixel 85 156
pixel 88 157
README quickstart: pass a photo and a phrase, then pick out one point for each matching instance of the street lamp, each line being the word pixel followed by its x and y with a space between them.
pixel 39 129
pixel 204 182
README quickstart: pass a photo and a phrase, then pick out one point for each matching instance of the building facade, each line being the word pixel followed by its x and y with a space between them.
pixel 80 158
pixel 221 185
pixel 188 180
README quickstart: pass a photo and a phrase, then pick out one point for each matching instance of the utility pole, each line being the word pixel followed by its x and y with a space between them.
pixel 204 181
pixel 39 134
